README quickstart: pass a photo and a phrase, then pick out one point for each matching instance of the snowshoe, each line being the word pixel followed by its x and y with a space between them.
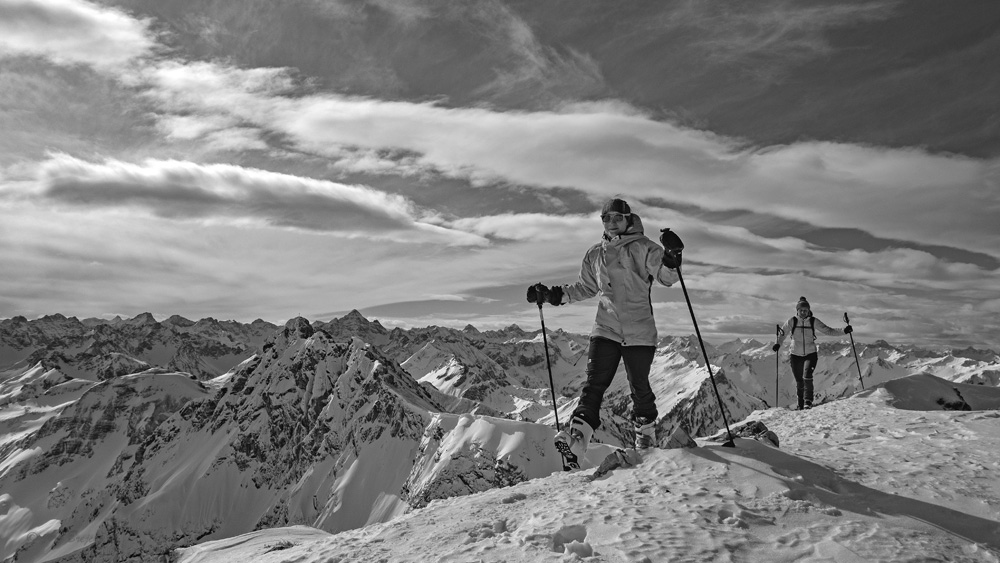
pixel 572 443
pixel 569 459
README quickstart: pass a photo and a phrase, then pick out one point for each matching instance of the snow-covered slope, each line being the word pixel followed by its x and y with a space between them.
pixel 64 481
pixel 313 431
pixel 854 480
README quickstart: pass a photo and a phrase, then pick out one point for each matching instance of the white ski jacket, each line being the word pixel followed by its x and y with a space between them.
pixel 620 271
pixel 804 337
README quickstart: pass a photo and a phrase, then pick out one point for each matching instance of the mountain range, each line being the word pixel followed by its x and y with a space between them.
pixel 125 439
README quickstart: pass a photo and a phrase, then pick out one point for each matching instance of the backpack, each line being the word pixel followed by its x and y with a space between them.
pixel 812 324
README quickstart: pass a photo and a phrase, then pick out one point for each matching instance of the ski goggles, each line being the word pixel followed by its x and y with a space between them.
pixel 613 217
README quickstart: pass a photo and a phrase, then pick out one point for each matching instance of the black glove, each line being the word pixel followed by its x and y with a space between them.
pixel 848 329
pixel 672 259
pixel 775 347
pixel 539 293
pixel 555 295
pixel 536 290
pixel 672 248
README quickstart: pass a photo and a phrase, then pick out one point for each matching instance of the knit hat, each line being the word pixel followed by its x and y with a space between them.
pixel 803 303
pixel 616 205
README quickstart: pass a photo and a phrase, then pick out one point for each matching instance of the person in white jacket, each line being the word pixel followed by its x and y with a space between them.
pixel 803 356
pixel 619 271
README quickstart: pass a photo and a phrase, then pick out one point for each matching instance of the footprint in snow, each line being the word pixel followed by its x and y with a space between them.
pixel 487 530
pixel 741 518
pixel 572 539
pixel 514 498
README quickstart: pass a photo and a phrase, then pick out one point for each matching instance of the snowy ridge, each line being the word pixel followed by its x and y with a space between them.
pixel 328 430
pixel 96 349
pixel 854 480
pixel 461 455
pixel 32 384
pixel 313 431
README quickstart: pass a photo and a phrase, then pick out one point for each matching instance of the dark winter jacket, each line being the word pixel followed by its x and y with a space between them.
pixel 620 271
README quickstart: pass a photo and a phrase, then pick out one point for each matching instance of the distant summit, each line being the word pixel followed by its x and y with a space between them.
pixel 178 320
pixel 101 349
pixel 142 319
pixel 354 324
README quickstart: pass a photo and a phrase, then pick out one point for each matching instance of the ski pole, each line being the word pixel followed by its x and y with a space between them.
pixel 722 407
pixel 856 362
pixel 548 365
pixel 777 367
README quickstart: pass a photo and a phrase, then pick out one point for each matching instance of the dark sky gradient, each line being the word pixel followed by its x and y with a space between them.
pixel 896 74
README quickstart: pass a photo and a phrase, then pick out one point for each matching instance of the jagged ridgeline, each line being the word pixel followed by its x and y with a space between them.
pixel 122 440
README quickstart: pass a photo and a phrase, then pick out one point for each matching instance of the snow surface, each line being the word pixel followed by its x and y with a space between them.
pixel 854 480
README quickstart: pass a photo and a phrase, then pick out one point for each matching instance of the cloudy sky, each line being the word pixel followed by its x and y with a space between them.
pixel 423 161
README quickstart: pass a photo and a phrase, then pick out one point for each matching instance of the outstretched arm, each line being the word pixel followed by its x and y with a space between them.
pixel 827 330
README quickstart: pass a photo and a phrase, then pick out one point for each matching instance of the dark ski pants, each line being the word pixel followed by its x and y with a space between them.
pixel 603 358
pixel 802 370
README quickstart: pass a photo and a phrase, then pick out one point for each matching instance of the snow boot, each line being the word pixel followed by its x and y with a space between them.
pixel 572 442
pixel 645 432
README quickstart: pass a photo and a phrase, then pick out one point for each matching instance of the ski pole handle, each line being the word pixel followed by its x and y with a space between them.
pixel 846 320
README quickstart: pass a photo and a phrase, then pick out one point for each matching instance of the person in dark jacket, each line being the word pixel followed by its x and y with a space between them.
pixel 619 270
pixel 803 356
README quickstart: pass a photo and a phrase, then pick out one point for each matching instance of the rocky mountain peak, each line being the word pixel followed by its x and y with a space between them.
pixel 510 332
pixel 976 354
pixel 354 315
pixel 142 319
pixel 687 346
pixel 297 328
pixel 355 325
pixel 178 320
pixel 54 317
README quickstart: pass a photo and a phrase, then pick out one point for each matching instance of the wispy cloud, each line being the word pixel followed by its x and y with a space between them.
pixel 764 39
pixel 781 29
pixel 537 227
pixel 214 192
pixel 533 69
pixel 72 32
